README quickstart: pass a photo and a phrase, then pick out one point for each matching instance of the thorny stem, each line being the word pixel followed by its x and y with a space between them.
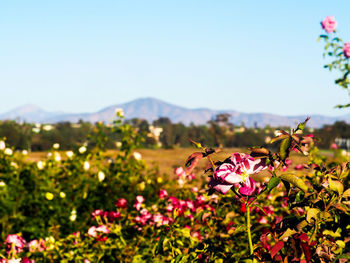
pixel 248 229
pixel 212 163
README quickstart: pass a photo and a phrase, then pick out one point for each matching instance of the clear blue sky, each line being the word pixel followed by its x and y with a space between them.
pixel 250 56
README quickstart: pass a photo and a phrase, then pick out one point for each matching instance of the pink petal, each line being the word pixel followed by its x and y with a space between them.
pixel 248 187
pixel 219 186
pixel 256 166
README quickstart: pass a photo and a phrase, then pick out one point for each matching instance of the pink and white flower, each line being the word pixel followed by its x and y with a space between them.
pixel 139 201
pixel 236 171
pixel 163 194
pixel 16 242
pixel 121 203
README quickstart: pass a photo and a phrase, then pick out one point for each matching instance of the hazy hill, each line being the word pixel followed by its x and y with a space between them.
pixel 29 113
pixel 151 109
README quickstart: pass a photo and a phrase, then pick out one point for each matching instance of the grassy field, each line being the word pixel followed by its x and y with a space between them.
pixel 168 159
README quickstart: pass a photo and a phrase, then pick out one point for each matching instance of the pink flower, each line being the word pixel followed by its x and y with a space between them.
pixel 103 229
pixel 237 170
pixel 27 260
pixel 194 189
pixel 334 146
pixel 263 220
pixel 92 231
pixel 140 199
pixel 288 163
pixel 197 235
pixel 15 241
pixel 179 171
pixel 36 245
pixel 346 50
pixel 299 167
pixel 112 215
pixel 248 187
pixel 163 193
pixel 121 203
pixel 97 212
pixel 329 24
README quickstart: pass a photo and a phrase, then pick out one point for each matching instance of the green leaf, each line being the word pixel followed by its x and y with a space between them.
pixel 312 214
pixel 299 196
pixel 286 185
pixel 281 137
pixel 295 180
pixel 284 148
pixel 336 186
pixel 159 249
pixel 331 233
pixel 274 181
pixel 343 256
pixel 289 232
pixel 340 243
pixel 178 258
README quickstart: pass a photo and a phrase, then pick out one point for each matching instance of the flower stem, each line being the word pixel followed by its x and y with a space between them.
pixel 248 229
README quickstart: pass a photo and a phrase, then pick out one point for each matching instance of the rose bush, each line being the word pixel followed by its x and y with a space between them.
pixel 252 207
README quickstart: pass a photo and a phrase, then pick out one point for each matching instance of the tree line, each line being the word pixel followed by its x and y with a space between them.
pixel 218 132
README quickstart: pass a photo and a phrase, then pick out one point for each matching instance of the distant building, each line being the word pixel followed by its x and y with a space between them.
pixel 343 143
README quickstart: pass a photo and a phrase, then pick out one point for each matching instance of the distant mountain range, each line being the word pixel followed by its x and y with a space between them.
pixel 152 109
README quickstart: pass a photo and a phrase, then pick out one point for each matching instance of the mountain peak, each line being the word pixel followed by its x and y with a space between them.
pixel 151 109
pixel 27 108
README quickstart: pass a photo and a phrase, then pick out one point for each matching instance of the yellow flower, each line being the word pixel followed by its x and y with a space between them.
pixel 49 196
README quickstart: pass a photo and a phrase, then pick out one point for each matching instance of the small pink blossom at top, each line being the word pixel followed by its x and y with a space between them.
pixel 163 194
pixel 121 203
pixel 329 24
pixel 334 146
pixel 346 50
pixel 86 261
